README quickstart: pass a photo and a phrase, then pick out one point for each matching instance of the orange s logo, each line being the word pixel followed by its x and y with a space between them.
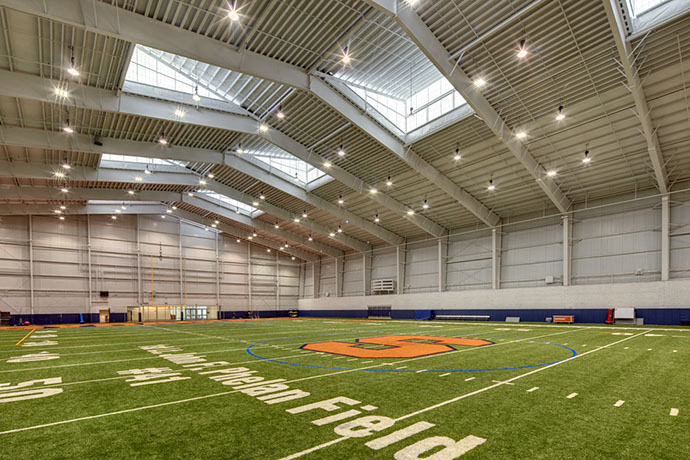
pixel 398 346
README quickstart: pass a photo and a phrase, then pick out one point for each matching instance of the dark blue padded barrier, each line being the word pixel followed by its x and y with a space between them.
pixel 423 315
pixel 660 316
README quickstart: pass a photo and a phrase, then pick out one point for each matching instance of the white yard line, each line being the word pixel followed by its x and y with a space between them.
pixel 571 395
pixel 619 403
pixel 532 389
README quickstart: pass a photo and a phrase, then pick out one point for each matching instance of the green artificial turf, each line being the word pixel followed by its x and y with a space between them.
pixel 201 418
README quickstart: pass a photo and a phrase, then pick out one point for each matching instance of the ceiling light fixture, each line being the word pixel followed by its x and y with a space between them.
pixel 179 113
pixel 551 173
pixel 331 234
pixel 59 92
pixel 560 116
pixel 68 128
pixel 341 151
pixel 340 229
pixel 425 205
pixel 113 217
pixel 457 154
pixel 162 140
pixel 59 174
pixel 64 190
pixel 280 113
pixel 491 185
pixel 327 164
pixel 310 238
pixel 479 82
pixel 62 217
pixel 196 96
pixel 411 112
pixel 262 196
pixel 72 69
pixel 377 219
pixel 276 226
pixel 131 192
pixel 373 191
pixel 587 158
pixel 202 182
pixel 147 171
pixel 211 176
pixel 296 220
pixel 410 212
pixel 521 135
pixel 255 203
pixel 304 214
pixel 346 56
pixel 169 211
pixel 232 14
pixel 63 207
pixel 263 128
pixel 138 178
pixel 239 148
pixel 523 50
pixel 340 200
pixel 190 193
pixel 389 182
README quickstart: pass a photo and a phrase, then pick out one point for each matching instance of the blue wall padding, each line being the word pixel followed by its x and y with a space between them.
pixel 423 315
pixel 665 316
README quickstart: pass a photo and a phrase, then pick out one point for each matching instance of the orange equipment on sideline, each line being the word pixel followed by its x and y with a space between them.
pixel 609 319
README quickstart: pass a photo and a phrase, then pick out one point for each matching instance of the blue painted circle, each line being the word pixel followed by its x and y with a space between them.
pixel 573 354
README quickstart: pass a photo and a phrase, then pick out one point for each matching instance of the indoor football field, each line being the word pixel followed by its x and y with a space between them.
pixel 346 389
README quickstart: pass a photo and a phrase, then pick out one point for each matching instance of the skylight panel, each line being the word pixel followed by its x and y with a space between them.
pixel 147 70
pixel 133 159
pixel 640 6
pixel 227 202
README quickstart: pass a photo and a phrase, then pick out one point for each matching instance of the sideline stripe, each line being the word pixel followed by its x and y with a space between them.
pixel 24 338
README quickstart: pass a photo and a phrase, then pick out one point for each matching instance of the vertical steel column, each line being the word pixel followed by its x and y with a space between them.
pixel 31 266
pixel 566 249
pixel 88 255
pixel 496 239
pixel 218 273
pixel 442 266
pixel 139 296
pixel 400 255
pixel 249 274
pixel 316 277
pixel 366 272
pixel 277 280
pixel 665 238
pixel 339 276
pixel 179 263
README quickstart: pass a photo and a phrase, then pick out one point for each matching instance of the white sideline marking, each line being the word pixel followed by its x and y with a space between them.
pixel 571 395
pixel 443 375
pixel 619 403
pixel 471 378
pixel 532 389
pixel 136 409
pixel 419 372
pixel 674 412
pixel 654 335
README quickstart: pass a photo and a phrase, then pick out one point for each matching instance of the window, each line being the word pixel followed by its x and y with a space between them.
pixel 640 6
pixel 227 201
pixel 146 69
pixel 129 159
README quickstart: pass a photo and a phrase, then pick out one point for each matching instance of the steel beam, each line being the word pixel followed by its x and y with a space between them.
pixel 665 238
pixel 415 28
pixel 26 137
pixel 105 19
pixel 334 98
pixel 19 209
pixel 627 61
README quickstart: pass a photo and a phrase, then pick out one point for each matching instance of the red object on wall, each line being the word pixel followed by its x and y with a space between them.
pixel 609 319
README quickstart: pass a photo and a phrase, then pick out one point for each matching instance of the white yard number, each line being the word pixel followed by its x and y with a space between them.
pixel 152 375
pixel 11 396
